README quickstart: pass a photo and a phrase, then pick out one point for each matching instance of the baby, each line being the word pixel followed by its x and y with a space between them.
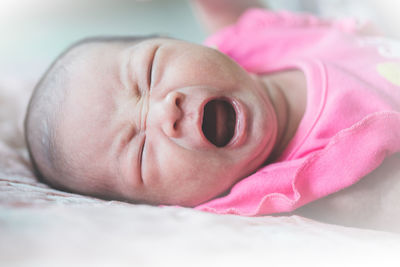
pixel 155 120
pixel 162 121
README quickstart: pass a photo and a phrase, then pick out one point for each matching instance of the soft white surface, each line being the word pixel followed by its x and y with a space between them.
pixel 115 234
pixel 40 226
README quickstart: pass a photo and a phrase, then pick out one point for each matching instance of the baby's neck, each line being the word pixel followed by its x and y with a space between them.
pixel 288 92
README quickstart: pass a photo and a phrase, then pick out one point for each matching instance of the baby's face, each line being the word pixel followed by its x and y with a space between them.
pixel 163 121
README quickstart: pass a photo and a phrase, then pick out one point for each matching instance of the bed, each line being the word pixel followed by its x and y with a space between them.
pixel 41 226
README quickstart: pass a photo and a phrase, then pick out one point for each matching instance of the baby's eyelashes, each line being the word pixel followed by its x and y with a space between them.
pixel 150 73
pixel 140 156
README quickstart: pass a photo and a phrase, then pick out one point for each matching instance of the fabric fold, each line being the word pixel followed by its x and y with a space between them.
pixel 268 191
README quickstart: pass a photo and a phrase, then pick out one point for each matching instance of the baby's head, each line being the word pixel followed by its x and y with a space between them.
pixel 149 120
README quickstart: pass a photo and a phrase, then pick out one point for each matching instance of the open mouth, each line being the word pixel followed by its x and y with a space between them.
pixel 219 121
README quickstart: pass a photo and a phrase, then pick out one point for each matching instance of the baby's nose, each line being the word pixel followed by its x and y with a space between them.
pixel 170 113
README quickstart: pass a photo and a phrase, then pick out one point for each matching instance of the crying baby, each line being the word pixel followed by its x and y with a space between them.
pixel 157 120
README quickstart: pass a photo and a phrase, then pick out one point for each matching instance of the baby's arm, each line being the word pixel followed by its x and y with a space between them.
pixel 216 14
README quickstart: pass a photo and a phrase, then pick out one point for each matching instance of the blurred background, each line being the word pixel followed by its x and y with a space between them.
pixel 34 32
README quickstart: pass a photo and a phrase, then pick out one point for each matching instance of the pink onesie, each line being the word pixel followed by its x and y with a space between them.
pixel 352 119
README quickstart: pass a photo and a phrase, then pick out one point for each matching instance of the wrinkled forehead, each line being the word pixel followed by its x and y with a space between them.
pixel 91 59
pixel 95 70
pixel 93 76
pixel 93 47
pixel 89 103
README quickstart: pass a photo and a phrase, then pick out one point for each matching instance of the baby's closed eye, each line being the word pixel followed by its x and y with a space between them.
pixel 141 152
pixel 151 67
